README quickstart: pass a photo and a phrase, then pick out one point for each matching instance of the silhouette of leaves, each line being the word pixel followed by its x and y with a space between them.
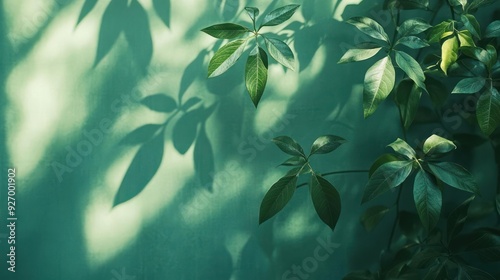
pixel 138 34
pixel 162 8
pixel 192 71
pixel 190 103
pixel 184 132
pixel 160 103
pixel 111 27
pixel 141 134
pixel 142 169
pixel 204 159
pixel 86 9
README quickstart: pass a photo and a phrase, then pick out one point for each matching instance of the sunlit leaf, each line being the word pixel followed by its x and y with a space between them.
pixel 141 135
pixel 378 84
pixel 280 51
pixel 401 147
pixel 279 15
pixel 277 197
pixel 289 146
pixel 226 30
pixel 256 74
pixel 454 175
pixel 226 57
pixel 408 99
pixel 360 52
pixel 326 144
pixel 141 170
pixel 493 29
pixel 160 103
pixel 469 85
pixel 428 199
pixel 449 55
pixel 326 200
pixel 370 27
pixel 372 216
pixel 471 23
pixel 413 26
pixel 412 42
pixel 386 177
pixel 457 218
pixel 465 38
pixel 488 110
pixel 436 144
pixel 434 33
pixel 411 67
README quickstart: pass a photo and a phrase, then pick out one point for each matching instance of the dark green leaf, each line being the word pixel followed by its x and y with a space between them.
pixel 449 54
pixel 289 146
pixel 486 57
pixel 160 103
pixel 471 23
pixel 86 8
pixel 141 170
pixel 256 74
pixel 378 84
pixel 434 33
pixel 485 243
pixel 326 200
pixel 413 42
pixel 386 177
pixel 372 216
pixel 438 145
pixel 428 200
pixel 469 85
pixel 437 91
pixel 454 175
pixel 359 275
pixel 369 27
pixel 408 98
pixel 492 56
pixel 425 258
pixel 493 29
pixel 437 272
pixel 279 15
pixel 469 141
pixel 225 57
pixel 385 158
pixel 277 197
pixel 406 4
pixel 226 30
pixel 141 134
pixel 488 110
pixel 294 161
pixel 411 67
pixel 401 147
pixel 497 203
pixel 457 218
pixel 360 52
pixel 413 26
pixel 466 272
pixel 252 12
pixel 326 144
pixel 475 4
pixel 280 51
pixel 410 225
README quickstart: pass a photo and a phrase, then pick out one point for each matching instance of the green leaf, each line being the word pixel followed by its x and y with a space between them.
pixel 369 27
pixel 488 57
pixel 425 258
pixel 408 98
pixel 449 55
pixel 406 4
pixel 485 243
pixel 492 56
pixel 386 177
pixel 279 15
pixel 436 144
pixel 412 42
pixel 378 84
pixel 475 4
pixel 428 200
pixel 466 272
pixel 360 52
pixel 252 12
pixel 493 29
pixel 160 103
pixel 497 203
pixel 437 91
pixel 411 67
pixel 294 161
pixel 372 216
pixel 437 272
pixel 326 200
pixel 141 135
pixel 471 23
pixel 256 74
pixel 385 158
pixel 277 197
pixel 469 85
pixel 289 146
pixel 401 147
pixel 465 38
pixel 226 30
pixel 413 26
pixel 226 57
pixel 280 51
pixel 454 175
pixel 434 34
pixel 457 218
pixel 326 144
pixel 488 110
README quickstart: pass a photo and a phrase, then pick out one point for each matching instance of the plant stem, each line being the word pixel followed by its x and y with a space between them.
pixel 393 230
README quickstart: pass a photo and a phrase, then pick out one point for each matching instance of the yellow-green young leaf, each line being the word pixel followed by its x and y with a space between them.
pixel 493 29
pixel 280 51
pixel 449 55
pixel 326 200
pixel 225 30
pixel 411 67
pixel 372 216
pixel 435 32
pixel 256 74
pixel 408 98
pixel 369 27
pixel 387 176
pixel 277 197
pixel 488 110
pixel 360 52
pixel 225 57
pixel 471 23
pixel 465 39
pixel 378 84
pixel 438 145
pixel 428 199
